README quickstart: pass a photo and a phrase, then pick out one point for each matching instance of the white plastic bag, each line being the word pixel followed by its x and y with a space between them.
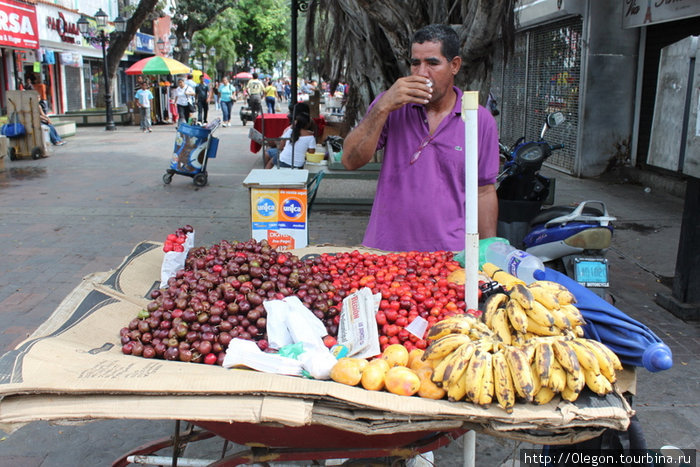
pixel 173 261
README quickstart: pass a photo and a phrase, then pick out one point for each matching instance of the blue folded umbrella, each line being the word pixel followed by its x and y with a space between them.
pixel 632 341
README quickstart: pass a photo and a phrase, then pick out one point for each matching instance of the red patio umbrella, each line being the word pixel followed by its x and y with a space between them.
pixel 243 75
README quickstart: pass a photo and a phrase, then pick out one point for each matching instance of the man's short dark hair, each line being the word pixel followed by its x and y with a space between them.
pixel 442 33
pixel 255 76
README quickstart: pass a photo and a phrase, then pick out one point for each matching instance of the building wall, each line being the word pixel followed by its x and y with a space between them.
pixel 608 90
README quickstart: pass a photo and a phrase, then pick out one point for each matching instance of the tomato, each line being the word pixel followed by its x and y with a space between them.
pixel 381 318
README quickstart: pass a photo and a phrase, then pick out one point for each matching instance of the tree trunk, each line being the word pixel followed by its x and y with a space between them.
pixel 119 42
pixel 366 43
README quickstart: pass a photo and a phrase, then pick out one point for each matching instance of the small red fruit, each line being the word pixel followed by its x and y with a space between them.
pixel 329 341
pixel 210 358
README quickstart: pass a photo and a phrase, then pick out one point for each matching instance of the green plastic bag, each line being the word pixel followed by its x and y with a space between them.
pixel 483 245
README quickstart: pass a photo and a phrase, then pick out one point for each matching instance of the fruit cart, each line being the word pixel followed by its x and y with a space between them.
pixel 31 144
pixel 287 444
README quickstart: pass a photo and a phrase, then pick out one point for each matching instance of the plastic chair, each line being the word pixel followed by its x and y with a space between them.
pixel 312 189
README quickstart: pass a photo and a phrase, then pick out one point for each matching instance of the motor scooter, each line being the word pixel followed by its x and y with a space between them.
pixel 572 240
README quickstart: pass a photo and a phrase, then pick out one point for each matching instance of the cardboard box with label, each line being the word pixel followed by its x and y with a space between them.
pixel 278 207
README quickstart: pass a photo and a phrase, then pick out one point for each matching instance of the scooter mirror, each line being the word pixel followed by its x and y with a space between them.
pixel 555 119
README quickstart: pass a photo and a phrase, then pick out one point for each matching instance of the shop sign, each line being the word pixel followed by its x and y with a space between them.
pixel 18 26
pixel 67 31
pixel 145 43
pixel 636 13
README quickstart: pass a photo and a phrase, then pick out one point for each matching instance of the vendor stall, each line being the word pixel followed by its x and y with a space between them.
pixel 273 126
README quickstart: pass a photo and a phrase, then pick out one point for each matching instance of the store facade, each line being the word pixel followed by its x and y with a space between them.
pixel 595 62
pixel 19 42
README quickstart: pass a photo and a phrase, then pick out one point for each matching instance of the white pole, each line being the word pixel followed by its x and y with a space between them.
pixel 470 105
pixel 470 108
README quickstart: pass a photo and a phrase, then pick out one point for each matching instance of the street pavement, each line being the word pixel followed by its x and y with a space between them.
pixel 85 207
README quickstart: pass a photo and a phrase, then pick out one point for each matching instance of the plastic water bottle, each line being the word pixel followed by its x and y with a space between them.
pixel 519 263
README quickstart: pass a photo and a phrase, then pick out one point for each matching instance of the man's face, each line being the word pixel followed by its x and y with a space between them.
pixel 427 61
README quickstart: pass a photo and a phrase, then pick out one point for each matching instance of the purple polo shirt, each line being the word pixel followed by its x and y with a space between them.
pixel 420 206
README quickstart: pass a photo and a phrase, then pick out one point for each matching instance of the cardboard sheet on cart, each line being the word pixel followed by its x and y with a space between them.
pixel 72 367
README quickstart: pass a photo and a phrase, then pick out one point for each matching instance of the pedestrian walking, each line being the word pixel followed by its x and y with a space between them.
pixel 203 93
pixel 143 98
pixel 226 91
pixel 183 96
pixel 255 91
pixel 215 91
pixel 270 97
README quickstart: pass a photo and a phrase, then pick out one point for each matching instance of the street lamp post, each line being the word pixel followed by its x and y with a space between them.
pixel 102 38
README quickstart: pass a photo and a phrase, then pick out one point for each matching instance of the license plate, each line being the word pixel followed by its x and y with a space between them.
pixel 591 272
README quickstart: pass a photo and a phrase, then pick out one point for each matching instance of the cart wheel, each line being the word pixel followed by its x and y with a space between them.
pixel 37 153
pixel 12 154
pixel 200 179
pixel 167 178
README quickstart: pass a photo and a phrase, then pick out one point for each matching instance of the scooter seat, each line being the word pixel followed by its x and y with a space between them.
pixel 558 211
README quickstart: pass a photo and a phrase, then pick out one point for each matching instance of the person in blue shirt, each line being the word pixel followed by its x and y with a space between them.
pixel 143 98
pixel 226 91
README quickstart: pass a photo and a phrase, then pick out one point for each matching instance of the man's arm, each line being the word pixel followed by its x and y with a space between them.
pixel 360 144
pixel 488 211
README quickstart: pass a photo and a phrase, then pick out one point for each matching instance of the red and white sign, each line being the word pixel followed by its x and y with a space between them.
pixel 18 26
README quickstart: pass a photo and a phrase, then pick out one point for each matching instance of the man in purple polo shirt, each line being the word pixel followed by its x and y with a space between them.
pixel 419 203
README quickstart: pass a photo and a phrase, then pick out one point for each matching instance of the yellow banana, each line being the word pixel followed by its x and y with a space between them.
pixel 486 391
pixel 518 339
pixel 452 325
pixel 466 351
pixel 606 365
pixel 544 395
pixel 520 371
pixel 536 383
pixel 493 303
pixel 503 382
pixel 545 297
pixel 557 377
pixel 565 355
pixel 575 381
pixel 444 346
pixel 569 395
pixel 440 368
pixel 612 356
pixel 561 320
pixel 517 316
pixel 586 358
pixel 523 295
pixel 499 325
pixel 578 331
pixel 554 287
pixel 544 357
pixel 500 276
pixel 565 297
pixel 574 314
pixel 539 330
pixel 540 314
pixel 596 382
pixel 529 350
pixel 474 375
pixel 457 391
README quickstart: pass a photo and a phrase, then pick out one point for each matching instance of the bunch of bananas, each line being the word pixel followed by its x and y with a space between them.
pixel 543 308
pixel 529 347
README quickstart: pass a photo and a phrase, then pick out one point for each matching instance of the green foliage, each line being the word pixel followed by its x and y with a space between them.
pixel 263 32
pixel 252 32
